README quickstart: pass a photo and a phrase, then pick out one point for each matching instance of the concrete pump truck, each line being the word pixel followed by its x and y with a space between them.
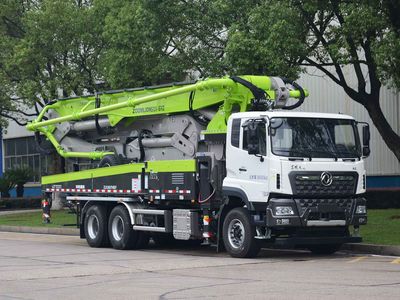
pixel 222 161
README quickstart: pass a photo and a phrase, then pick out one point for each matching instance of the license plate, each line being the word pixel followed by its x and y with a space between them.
pixel 328 208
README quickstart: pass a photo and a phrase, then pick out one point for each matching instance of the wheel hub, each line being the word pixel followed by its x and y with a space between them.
pixel 236 233
pixel 93 226
pixel 117 228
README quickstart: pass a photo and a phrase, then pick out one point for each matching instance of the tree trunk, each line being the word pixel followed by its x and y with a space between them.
pixel 391 138
pixel 19 190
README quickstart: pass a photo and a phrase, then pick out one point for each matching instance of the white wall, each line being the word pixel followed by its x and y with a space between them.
pixel 14 131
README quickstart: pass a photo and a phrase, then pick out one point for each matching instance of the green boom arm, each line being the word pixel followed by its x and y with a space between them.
pixel 167 100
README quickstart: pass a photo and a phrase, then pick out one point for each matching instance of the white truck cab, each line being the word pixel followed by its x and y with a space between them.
pixel 298 172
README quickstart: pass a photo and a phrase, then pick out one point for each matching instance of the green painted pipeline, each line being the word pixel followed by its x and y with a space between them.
pixel 153 101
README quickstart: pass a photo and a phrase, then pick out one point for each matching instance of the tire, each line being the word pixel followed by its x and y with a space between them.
pixel 96 221
pixel 120 231
pixel 238 234
pixel 324 249
pixel 109 161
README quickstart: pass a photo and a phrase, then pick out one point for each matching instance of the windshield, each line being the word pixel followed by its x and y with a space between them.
pixel 311 137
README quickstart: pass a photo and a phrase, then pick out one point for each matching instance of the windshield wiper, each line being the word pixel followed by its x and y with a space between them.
pixel 349 154
pixel 292 152
pixel 333 154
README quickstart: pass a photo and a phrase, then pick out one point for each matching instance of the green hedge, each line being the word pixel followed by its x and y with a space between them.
pixel 14 203
pixel 383 199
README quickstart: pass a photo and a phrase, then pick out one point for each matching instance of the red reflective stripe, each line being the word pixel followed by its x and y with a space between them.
pixel 184 192
pixel 169 191
pixel 177 191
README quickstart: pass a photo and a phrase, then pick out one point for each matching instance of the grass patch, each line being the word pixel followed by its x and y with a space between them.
pixel 383 227
pixel 58 219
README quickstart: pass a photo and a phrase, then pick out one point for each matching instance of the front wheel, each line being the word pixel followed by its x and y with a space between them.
pixel 238 234
pixel 324 249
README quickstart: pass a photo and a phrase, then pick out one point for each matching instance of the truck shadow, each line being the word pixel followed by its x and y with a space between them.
pixel 193 249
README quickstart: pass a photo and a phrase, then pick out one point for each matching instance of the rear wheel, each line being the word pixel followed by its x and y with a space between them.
pixel 96 226
pixel 238 234
pixel 122 236
pixel 324 249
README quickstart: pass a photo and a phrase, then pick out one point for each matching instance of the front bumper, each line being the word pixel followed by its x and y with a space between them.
pixel 299 241
pixel 316 212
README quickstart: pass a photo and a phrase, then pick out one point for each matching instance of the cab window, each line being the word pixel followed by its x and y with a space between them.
pixel 262 139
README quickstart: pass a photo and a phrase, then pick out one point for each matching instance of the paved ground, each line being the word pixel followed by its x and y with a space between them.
pixel 64 267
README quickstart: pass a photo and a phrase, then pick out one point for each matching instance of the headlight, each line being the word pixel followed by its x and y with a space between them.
pixel 361 209
pixel 284 211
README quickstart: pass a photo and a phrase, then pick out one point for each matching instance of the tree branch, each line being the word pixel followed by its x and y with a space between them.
pixel 23 113
pixel 331 64
pixel 341 80
pixel 373 76
pixel 353 49
pixel 321 68
pixel 13 118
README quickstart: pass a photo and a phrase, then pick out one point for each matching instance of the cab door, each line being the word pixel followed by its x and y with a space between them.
pixel 248 172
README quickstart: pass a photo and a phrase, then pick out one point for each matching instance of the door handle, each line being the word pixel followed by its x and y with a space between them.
pixel 243 169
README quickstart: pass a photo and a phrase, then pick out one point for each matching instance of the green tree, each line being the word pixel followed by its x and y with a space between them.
pixel 6 184
pixel 51 50
pixel 282 37
pixel 20 176
pixel 137 45
pixel 53 46
pixel 330 35
pixel 11 31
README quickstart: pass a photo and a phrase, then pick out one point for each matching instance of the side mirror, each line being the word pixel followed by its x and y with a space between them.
pixel 366 136
pixel 252 138
pixel 366 151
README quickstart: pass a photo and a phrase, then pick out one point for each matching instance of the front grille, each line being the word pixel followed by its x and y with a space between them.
pixel 326 216
pixel 310 184
pixel 340 202
pixel 324 209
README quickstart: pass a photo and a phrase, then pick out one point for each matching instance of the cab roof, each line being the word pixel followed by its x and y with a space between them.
pixel 288 114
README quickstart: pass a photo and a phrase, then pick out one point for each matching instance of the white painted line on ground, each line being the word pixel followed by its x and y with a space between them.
pixel 386 256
